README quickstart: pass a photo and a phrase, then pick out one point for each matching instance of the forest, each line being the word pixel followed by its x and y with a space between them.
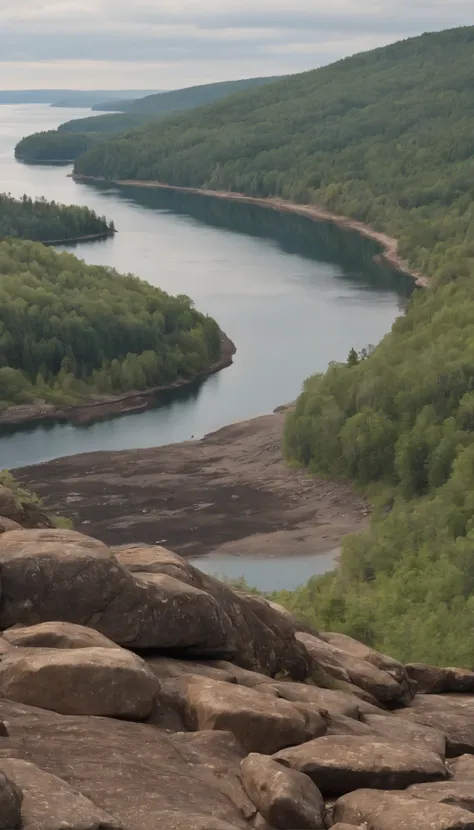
pixel 70 330
pixel 44 221
pixel 386 137
pixel 58 145
pixel 50 146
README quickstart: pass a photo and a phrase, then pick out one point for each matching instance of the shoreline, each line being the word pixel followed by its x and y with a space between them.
pixel 317 214
pixel 133 401
pixel 72 240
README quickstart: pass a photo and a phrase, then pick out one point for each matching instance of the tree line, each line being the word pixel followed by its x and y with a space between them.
pixel 387 138
pixel 44 221
pixel 69 330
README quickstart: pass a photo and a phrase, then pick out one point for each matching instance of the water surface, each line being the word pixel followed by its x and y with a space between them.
pixel 292 294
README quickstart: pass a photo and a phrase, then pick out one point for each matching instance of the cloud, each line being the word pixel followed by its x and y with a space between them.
pixel 191 41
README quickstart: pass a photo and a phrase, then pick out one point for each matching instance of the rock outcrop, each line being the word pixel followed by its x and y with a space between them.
pixel 236 732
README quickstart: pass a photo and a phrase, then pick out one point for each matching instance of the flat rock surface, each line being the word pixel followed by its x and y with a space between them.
pixel 378 810
pixel 228 493
pixel 142 776
pixel 340 763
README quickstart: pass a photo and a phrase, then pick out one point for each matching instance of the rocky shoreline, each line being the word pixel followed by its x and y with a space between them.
pixel 229 493
pixel 319 214
pixel 101 406
pixel 138 693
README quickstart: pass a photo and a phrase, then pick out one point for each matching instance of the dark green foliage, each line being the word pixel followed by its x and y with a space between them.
pixel 385 137
pixel 113 123
pixel 48 221
pixel 68 330
pixel 55 145
pixel 52 146
pixel 184 99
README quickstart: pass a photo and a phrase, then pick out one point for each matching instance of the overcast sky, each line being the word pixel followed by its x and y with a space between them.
pixel 166 44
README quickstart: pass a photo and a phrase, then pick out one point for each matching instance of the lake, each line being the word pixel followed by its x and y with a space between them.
pixel 292 294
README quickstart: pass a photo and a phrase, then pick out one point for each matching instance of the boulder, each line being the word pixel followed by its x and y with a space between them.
pixel 434 681
pixel 284 797
pixel 11 798
pixel 462 768
pixel 370 655
pixel 220 753
pixel 166 667
pixel 331 700
pixel 144 777
pixel 8 524
pixel 154 559
pixel 341 763
pixel 452 714
pixel 260 723
pixel 378 810
pixel 56 635
pixel 85 681
pixel 62 575
pixel 391 728
pixel 343 666
pixel 341 725
pixel 51 804
pixel 458 793
pixel 9 507
pixel 244 677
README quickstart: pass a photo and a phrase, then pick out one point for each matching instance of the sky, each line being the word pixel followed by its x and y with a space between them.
pixel 167 44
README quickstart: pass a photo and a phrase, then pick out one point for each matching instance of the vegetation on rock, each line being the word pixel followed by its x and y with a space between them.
pixel 69 330
pixel 44 221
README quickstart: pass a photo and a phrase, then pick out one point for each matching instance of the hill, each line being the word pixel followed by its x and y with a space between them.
pixel 183 99
pixel 67 97
pixel 385 137
pixel 45 221
pixel 69 331
pixel 59 145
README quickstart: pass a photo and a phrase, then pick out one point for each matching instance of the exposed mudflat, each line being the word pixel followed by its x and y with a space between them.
pixel 227 493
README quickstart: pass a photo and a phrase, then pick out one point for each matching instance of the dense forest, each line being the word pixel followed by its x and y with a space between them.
pixel 184 99
pixel 59 145
pixel 70 330
pixel 50 146
pixel 385 137
pixel 45 221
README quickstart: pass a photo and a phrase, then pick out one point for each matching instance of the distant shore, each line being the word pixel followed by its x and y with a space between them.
pixel 318 214
pixel 99 406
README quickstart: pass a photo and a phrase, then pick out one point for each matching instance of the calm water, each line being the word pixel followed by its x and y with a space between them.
pixel 274 574
pixel 292 294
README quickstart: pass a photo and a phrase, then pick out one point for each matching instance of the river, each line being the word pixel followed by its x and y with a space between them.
pixel 292 295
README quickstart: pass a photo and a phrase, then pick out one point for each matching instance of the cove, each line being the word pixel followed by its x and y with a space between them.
pixel 292 295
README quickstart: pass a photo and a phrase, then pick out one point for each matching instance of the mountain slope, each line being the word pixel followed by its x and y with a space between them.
pixel 385 136
pixel 388 138
pixel 183 99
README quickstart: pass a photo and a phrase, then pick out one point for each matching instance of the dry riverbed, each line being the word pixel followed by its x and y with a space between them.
pixel 227 493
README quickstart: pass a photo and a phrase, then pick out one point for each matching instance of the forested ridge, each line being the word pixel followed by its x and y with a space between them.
pixel 387 138
pixel 70 330
pixel 44 221
pixel 79 135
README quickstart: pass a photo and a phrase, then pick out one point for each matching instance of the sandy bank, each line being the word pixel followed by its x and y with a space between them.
pixel 319 214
